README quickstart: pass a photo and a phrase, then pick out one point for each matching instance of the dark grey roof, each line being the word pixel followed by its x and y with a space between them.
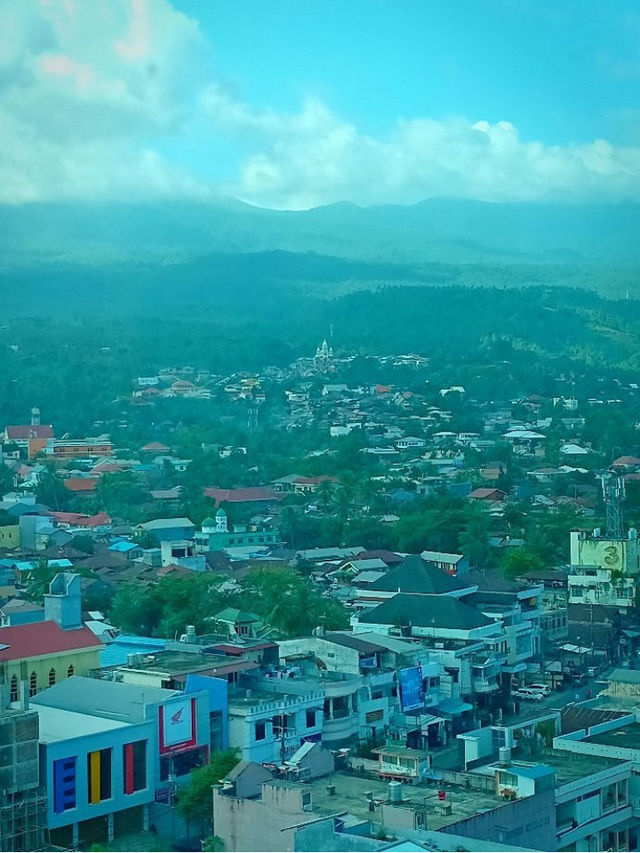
pixel 426 611
pixel 416 575
pixel 493 580
pixel 110 699
pixel 575 717
pixel 27 509
pixel 352 641
pixel 500 599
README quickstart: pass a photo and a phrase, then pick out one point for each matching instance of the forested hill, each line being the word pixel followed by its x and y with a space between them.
pixel 436 230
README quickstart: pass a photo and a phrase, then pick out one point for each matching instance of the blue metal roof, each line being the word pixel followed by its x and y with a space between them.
pixel 123 546
pixel 28 565
pixel 453 706
pixel 115 653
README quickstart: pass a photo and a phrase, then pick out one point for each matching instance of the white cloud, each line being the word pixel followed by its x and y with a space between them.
pixel 91 90
pixel 313 158
pixel 84 87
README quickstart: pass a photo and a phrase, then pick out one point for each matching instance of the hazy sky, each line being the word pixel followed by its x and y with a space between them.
pixel 293 103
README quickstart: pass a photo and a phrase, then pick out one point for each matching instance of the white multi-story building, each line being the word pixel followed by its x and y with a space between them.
pixel 268 727
pixel 604 570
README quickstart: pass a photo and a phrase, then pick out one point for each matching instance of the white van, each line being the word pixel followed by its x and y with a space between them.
pixel 540 688
pixel 527 693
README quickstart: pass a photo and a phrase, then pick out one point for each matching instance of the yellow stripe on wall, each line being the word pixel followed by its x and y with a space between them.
pixel 95 777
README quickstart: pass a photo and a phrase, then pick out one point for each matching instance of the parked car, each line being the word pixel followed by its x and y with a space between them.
pixel 526 693
pixel 540 688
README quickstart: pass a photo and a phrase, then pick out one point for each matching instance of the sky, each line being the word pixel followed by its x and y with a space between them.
pixel 293 104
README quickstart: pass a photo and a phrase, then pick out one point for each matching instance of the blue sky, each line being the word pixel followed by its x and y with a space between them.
pixel 288 104
pixel 562 72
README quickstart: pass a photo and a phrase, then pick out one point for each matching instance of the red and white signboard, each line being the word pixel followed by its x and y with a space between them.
pixel 177 724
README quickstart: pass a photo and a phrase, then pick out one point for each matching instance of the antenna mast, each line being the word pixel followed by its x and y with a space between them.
pixel 613 493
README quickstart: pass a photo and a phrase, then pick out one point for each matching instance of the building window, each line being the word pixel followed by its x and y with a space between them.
pixel 52 677
pixel 311 718
pixel 99 775
pixel 64 785
pixel 70 670
pixel 182 763
pixel 134 756
pixel 216 731
pixel 261 731
pixel 306 799
pixel 33 684
pixel 13 694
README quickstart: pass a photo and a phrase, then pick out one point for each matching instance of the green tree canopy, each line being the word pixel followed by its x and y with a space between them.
pixel 195 803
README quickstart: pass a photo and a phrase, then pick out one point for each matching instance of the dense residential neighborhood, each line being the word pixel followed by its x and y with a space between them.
pixel 367 614
pixel 319 426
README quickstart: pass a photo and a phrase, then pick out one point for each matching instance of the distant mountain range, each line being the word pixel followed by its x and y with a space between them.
pixel 433 231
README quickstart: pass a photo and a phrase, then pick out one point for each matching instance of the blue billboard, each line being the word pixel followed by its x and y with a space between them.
pixel 411 688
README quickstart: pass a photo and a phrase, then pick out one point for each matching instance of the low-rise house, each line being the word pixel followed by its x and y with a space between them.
pixel 83 448
pixel 10 536
pixel 130 550
pixel 414 576
pixel 410 442
pixel 452 564
pixel 81 487
pixel 43 653
pixel 249 495
pixel 170 529
pixel 99 523
pixel 487 495
pixel 18 611
pixel 216 536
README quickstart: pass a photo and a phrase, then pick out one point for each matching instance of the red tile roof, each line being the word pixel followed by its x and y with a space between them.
pixel 43 638
pixel 249 495
pixel 623 461
pixel 79 520
pixel 173 569
pixel 106 468
pixel 24 432
pixel 388 557
pixel 487 494
pixel 81 484
pixel 155 446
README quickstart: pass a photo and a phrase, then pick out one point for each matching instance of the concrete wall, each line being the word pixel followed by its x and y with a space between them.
pixel 80 747
pixel 477 744
pixel 336 658
pixel 249 781
pixel 82 660
pixel 19 751
pixel 319 761
pixel 622 688
pixel 218 692
pixel 569 743
pixel 10 536
pixel 63 602
pixel 321 835
pixel 242 725
pixel 529 822
pixel 249 825
pixel 30 527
